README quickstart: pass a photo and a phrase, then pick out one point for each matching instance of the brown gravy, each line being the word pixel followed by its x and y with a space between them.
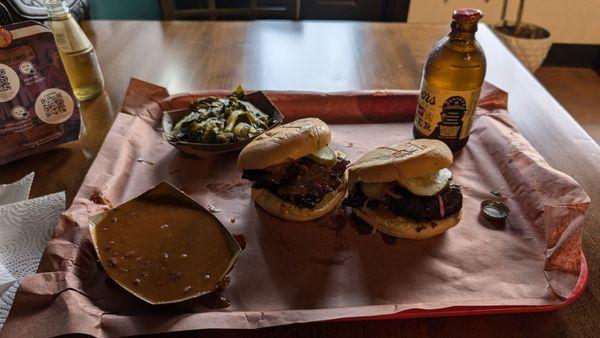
pixel 163 252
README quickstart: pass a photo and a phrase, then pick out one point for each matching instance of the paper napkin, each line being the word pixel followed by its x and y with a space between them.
pixel 25 228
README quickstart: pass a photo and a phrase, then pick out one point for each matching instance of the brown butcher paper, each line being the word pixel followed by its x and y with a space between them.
pixel 293 272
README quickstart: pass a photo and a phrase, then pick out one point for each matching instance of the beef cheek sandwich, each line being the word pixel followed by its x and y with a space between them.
pixel 295 175
pixel 405 189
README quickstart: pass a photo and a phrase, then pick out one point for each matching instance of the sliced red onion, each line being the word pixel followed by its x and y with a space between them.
pixel 393 194
pixel 441 202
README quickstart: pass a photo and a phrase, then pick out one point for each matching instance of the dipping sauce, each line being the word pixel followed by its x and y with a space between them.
pixel 164 249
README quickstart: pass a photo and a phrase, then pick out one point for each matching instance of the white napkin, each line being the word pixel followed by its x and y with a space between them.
pixel 25 228
pixel 16 192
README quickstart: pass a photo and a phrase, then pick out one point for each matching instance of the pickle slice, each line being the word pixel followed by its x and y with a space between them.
pixel 428 185
pixel 325 156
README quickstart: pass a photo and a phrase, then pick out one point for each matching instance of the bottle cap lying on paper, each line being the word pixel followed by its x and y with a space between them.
pixel 494 210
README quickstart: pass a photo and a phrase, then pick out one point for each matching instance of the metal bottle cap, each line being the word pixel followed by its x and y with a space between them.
pixel 467 15
pixel 494 210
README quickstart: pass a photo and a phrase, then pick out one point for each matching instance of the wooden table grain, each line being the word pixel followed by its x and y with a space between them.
pixel 329 56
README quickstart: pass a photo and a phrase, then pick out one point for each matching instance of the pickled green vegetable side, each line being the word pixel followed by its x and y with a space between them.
pixel 225 120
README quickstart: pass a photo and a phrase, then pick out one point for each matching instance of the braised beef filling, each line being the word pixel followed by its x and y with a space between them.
pixel 302 182
pixel 404 203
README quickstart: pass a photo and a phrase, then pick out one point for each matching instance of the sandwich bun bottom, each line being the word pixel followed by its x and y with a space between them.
pixel 275 206
pixel 401 227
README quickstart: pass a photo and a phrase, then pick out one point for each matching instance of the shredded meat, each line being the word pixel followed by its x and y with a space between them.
pixel 421 208
pixel 303 182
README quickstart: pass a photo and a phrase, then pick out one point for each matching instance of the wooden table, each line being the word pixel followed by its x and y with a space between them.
pixel 329 56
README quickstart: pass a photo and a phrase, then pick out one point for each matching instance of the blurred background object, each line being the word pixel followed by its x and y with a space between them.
pixel 213 9
pixel 565 56
pixel 529 42
pixel 368 10
pixel 570 29
pixel 20 10
pixel 572 24
pixel 372 10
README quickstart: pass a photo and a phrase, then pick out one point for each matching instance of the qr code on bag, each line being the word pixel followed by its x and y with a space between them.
pixel 54 104
pixel 4 81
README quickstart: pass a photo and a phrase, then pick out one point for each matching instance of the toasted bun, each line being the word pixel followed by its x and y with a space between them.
pixel 288 211
pixel 289 141
pixel 401 227
pixel 401 161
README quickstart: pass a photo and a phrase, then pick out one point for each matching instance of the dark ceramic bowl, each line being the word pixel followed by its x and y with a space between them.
pixel 202 150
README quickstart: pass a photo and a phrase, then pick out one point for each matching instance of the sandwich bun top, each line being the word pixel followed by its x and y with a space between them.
pixel 288 141
pixel 401 161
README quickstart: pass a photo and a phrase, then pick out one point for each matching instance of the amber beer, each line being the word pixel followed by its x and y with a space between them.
pixel 76 52
pixel 451 83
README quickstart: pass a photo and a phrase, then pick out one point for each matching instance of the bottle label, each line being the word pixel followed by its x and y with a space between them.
pixel 69 39
pixel 445 114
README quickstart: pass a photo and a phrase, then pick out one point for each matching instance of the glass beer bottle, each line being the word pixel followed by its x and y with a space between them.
pixel 452 77
pixel 76 52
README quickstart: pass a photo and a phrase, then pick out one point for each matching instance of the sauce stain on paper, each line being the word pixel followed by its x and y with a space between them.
pixel 98 197
pixel 228 191
pixel 141 160
pixel 330 261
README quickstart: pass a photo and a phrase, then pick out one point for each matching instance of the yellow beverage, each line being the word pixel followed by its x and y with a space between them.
pixel 451 83
pixel 76 52
pixel 84 73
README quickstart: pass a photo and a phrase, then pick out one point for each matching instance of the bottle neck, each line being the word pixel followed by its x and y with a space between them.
pixel 57 9
pixel 463 30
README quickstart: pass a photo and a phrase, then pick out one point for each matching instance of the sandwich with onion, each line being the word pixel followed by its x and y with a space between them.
pixel 405 190
pixel 294 174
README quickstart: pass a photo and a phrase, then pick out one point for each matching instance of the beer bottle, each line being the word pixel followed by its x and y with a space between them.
pixel 452 77
pixel 76 52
